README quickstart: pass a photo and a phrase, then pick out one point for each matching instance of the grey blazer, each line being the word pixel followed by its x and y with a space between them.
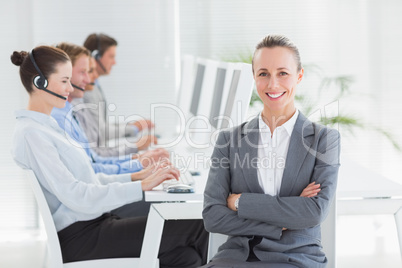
pixel 313 156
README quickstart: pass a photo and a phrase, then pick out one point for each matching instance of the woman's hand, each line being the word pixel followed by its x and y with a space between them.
pixel 311 190
pixel 159 176
pixel 231 201
pixel 140 175
pixel 143 124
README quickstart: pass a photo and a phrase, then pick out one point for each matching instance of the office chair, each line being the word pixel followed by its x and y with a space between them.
pixel 53 246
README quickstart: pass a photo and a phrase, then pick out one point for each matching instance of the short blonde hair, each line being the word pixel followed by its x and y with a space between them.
pixel 271 41
pixel 73 51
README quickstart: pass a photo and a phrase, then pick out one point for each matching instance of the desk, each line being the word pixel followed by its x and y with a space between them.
pixel 158 213
pixel 196 159
pixel 361 191
pixel 175 207
pixel 198 195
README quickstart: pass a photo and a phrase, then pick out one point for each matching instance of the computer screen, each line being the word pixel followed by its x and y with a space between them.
pixel 199 77
pixel 217 97
pixel 231 98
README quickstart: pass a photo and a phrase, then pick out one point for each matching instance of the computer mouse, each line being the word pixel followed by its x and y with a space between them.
pixel 180 189
pixel 194 173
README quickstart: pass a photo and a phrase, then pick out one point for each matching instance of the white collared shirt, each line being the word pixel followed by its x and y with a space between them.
pixel 272 152
pixel 72 189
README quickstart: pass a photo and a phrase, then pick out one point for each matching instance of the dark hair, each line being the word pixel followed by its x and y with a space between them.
pixel 271 41
pixel 73 51
pixel 46 57
pixel 100 42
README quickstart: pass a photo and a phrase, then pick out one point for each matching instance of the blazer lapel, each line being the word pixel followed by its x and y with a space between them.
pixel 248 153
pixel 299 146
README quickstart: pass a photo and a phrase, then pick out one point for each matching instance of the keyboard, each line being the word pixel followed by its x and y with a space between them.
pixel 185 178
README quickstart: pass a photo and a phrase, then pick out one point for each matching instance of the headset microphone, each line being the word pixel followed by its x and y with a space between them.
pixel 77 87
pixel 96 54
pixel 40 80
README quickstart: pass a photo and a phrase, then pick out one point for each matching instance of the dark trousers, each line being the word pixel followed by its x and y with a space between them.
pixel 229 263
pixel 184 243
pixel 251 262
pixel 135 209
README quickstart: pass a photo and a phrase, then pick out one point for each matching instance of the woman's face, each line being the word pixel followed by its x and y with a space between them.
pixel 276 77
pixel 93 74
pixel 80 76
pixel 59 82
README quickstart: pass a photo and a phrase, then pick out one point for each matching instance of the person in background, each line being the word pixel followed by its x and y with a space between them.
pixel 80 200
pixel 139 168
pixel 272 179
pixel 94 118
pixel 93 74
pixel 67 120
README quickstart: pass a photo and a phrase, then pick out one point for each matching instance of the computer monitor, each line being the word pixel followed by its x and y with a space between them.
pixel 187 76
pixel 199 79
pixel 217 97
pixel 238 99
pixel 198 125
pixel 227 114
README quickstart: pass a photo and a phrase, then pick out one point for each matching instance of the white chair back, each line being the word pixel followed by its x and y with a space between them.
pixel 55 259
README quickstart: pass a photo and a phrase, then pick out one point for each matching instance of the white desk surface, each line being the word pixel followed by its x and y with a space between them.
pixel 162 196
pixel 192 158
pixel 354 181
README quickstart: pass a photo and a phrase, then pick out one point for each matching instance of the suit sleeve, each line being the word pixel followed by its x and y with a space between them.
pixel 218 218
pixel 295 212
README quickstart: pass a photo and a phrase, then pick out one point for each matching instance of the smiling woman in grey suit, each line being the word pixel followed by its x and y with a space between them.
pixel 272 179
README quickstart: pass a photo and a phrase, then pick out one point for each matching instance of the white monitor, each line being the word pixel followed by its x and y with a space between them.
pixel 199 78
pixel 221 92
pixel 187 76
pixel 238 98
pixel 203 100
pixel 203 87
pixel 217 96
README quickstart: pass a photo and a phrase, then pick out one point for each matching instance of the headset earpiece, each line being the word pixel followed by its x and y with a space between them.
pixel 95 54
pixel 39 82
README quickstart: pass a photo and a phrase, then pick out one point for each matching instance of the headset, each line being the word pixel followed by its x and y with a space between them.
pixel 96 54
pixel 40 80
pixel 77 87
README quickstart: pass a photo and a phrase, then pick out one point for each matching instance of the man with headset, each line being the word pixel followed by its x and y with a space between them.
pixel 93 118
